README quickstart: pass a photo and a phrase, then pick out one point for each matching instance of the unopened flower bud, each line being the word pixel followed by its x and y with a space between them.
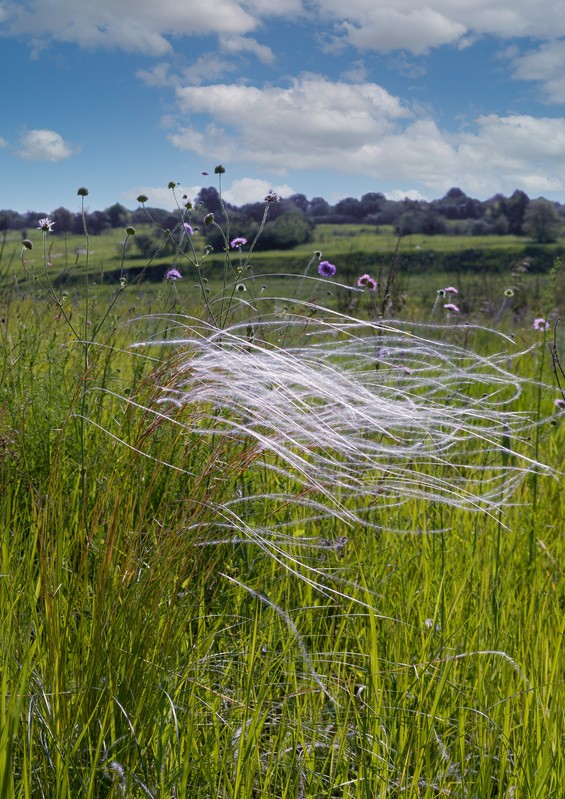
pixel 27 244
pixel 219 170
pixel 142 198
pixel 130 231
pixel 208 219
pixel 82 192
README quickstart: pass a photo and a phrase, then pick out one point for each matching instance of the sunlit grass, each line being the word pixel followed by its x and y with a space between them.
pixel 270 560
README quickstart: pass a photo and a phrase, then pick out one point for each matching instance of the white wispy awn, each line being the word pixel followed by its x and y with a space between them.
pixel 355 415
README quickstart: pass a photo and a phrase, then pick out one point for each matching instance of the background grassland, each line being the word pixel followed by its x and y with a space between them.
pixel 147 652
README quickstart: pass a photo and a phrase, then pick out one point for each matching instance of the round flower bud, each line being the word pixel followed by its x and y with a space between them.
pixel 82 192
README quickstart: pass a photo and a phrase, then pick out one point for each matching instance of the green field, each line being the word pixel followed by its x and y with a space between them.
pixel 293 541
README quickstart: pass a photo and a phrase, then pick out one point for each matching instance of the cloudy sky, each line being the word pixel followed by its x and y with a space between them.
pixel 321 97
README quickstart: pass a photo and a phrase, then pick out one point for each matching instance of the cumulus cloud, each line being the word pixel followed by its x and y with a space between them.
pixel 3 142
pixel 159 196
pixel 44 145
pixel 418 25
pixel 275 122
pixel 141 25
pixel 546 65
pixel 244 44
pixel 362 129
pixel 412 25
pixel 253 190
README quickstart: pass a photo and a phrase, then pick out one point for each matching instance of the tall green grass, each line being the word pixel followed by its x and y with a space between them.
pixel 289 557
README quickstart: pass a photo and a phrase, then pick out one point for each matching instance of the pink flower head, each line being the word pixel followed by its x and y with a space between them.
pixel 46 225
pixel 188 228
pixel 238 242
pixel 272 197
pixel 560 404
pixel 449 306
pixel 541 324
pixel 173 274
pixel 368 282
pixel 451 290
pixel 325 269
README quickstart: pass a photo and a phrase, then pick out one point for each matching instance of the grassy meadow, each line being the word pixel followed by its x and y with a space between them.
pixel 270 534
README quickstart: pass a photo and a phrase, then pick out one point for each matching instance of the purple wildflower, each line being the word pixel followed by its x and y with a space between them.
pixel 188 228
pixel 541 324
pixel 366 281
pixel 173 274
pixel 560 404
pixel 272 197
pixel 46 225
pixel 451 290
pixel 449 306
pixel 325 269
pixel 239 241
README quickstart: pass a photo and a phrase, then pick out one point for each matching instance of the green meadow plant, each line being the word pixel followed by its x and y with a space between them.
pixel 275 548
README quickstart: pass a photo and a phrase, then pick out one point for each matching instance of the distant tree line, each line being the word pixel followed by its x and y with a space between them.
pixel 292 220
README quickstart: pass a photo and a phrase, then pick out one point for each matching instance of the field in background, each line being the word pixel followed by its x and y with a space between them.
pixel 147 651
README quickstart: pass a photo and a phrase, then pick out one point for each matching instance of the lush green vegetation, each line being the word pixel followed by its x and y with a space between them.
pixel 328 565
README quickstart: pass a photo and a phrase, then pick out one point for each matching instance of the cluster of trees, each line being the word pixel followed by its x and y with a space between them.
pixel 292 220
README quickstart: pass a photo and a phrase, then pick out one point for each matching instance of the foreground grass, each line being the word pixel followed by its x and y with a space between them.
pixel 158 641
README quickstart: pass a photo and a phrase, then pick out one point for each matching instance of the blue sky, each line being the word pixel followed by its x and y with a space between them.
pixel 321 97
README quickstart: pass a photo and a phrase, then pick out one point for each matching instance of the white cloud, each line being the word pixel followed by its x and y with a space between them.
pixel 3 142
pixel 159 196
pixel 243 44
pixel 253 190
pixel 401 194
pixel 141 25
pixel 418 25
pixel 361 129
pixel 278 126
pixel 546 65
pixel 417 30
pixel 44 145
pixel 149 27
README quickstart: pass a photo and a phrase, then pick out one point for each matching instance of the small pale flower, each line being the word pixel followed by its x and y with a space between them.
pixel 173 274
pixel 451 290
pixel 366 281
pixel 325 269
pixel 239 241
pixel 449 306
pixel 272 197
pixel 560 404
pixel 541 324
pixel 46 225
pixel 189 230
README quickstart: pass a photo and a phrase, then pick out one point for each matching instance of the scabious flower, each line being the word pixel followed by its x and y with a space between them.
pixel 451 290
pixel 46 225
pixel 449 306
pixel 173 274
pixel 239 241
pixel 325 269
pixel 560 404
pixel 366 281
pixel 188 229
pixel 541 324
pixel 272 197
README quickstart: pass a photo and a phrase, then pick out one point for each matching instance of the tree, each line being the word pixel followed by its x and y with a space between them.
pixel 541 221
pixel 63 219
pixel 118 215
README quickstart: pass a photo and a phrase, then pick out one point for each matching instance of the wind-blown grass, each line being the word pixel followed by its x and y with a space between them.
pixel 291 557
